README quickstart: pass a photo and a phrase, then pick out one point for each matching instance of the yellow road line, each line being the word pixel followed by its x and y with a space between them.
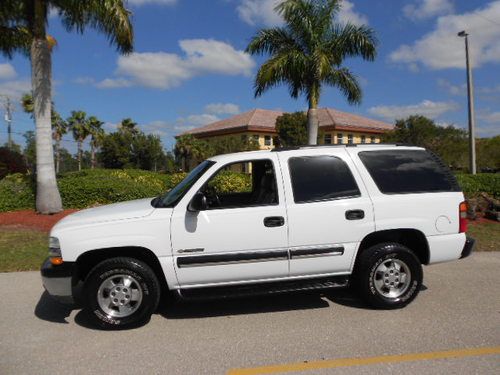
pixel 345 362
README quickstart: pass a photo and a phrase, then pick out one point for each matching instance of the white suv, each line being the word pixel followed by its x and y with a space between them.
pixel 266 222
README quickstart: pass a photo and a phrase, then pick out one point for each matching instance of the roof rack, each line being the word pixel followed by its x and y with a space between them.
pixel 302 147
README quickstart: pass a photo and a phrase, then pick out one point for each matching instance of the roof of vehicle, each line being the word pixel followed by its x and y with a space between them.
pixel 359 147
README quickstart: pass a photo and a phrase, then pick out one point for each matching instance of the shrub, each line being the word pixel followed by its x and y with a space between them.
pixel 11 162
pixel 230 182
pixel 16 192
pixel 481 183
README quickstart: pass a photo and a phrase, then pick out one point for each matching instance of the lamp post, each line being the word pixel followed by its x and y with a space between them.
pixel 470 100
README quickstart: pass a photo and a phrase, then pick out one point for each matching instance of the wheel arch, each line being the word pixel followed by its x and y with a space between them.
pixel 88 260
pixel 413 239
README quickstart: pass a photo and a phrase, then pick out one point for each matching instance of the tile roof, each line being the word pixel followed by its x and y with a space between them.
pixel 265 120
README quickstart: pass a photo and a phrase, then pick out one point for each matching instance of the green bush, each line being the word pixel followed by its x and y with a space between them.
pixel 481 183
pixel 228 181
pixel 16 192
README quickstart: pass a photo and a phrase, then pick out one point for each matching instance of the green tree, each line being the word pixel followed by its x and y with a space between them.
pixel 292 129
pixel 308 52
pixel 448 142
pixel 96 135
pixel 128 126
pixel 488 153
pixel 79 126
pixel 30 150
pixel 23 28
pixel 227 145
pixel 189 151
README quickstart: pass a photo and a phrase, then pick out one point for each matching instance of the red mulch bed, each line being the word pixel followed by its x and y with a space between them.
pixel 30 219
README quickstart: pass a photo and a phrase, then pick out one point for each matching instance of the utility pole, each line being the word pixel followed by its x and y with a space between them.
pixel 470 100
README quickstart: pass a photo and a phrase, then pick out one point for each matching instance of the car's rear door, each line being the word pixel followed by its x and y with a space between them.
pixel 329 210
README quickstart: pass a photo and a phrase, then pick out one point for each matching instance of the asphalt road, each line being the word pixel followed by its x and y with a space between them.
pixel 459 309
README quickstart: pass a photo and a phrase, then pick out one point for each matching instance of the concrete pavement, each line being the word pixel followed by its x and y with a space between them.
pixel 459 308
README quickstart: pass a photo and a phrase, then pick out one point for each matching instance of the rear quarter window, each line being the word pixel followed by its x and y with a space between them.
pixel 408 171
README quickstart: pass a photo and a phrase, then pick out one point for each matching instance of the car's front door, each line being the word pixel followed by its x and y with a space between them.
pixel 329 211
pixel 241 236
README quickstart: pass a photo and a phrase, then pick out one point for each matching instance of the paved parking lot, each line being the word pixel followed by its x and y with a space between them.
pixel 458 311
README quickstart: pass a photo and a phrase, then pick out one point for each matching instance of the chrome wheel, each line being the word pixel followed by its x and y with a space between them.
pixel 392 278
pixel 119 295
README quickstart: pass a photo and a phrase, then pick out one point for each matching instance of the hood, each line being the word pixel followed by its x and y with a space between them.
pixel 111 212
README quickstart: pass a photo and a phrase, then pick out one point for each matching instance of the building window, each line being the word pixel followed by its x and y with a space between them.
pixel 372 139
pixel 256 138
pixel 268 140
pixel 363 139
pixel 244 138
pixel 349 139
pixel 340 138
pixel 328 139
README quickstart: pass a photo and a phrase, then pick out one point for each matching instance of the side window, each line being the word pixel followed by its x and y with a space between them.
pixel 242 184
pixel 328 139
pixel 319 178
pixel 408 171
pixel 340 138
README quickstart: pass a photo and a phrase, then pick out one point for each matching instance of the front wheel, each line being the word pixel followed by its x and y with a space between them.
pixel 388 276
pixel 121 293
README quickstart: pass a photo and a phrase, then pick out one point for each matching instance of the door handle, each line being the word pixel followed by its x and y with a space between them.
pixel 274 221
pixel 354 214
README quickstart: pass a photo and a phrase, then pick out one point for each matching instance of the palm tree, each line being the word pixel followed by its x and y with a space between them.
pixel 79 126
pixel 23 26
pixel 128 126
pixel 308 51
pixel 59 126
pixel 96 135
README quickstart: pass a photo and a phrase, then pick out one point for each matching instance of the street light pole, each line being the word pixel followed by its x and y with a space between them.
pixel 470 100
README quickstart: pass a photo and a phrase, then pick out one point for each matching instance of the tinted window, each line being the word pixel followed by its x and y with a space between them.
pixel 316 178
pixel 408 171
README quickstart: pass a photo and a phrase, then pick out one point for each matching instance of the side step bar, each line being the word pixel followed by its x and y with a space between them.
pixel 269 288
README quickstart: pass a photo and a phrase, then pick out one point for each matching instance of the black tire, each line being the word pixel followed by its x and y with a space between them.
pixel 374 285
pixel 144 281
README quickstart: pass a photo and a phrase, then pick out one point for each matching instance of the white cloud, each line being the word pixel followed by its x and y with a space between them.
pixel 424 9
pixel 490 117
pixel 451 88
pixel 196 120
pixel 442 48
pixel 222 109
pixel 15 89
pixel 7 71
pixel 113 83
pixel 426 108
pixel 261 12
pixel 84 80
pixel 146 2
pixel 163 70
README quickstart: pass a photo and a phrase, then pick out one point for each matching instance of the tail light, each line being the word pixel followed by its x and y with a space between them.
pixel 462 209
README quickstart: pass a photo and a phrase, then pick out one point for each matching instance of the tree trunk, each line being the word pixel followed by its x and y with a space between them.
pixel 312 126
pixel 48 199
pixel 79 154
pixel 92 155
pixel 58 152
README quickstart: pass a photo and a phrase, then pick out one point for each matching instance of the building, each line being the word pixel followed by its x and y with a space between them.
pixel 335 127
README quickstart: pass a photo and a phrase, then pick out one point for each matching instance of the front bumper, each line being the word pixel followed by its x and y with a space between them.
pixel 58 280
pixel 468 247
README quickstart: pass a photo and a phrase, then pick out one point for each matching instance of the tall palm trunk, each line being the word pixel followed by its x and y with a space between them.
pixel 48 199
pixel 312 121
pixel 80 154
pixel 92 154
pixel 58 152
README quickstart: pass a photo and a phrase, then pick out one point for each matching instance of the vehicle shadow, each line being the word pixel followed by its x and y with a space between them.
pixel 52 311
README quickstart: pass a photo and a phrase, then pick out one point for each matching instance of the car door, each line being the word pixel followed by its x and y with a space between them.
pixel 329 211
pixel 242 235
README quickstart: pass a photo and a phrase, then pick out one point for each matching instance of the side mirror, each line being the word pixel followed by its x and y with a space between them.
pixel 198 203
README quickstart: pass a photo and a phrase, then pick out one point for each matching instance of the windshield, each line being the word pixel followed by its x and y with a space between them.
pixel 170 198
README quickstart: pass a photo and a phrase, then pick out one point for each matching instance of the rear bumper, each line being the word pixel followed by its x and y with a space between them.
pixel 468 247
pixel 58 280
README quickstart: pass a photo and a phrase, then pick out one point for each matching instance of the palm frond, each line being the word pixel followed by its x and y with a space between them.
pixel 349 40
pixel 347 83
pixel 271 41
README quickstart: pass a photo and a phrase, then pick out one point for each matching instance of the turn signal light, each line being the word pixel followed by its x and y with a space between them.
pixel 462 209
pixel 56 261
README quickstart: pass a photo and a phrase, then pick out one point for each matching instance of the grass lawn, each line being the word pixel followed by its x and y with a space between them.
pixel 24 249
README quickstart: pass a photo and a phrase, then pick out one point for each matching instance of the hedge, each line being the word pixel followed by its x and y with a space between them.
pixel 101 186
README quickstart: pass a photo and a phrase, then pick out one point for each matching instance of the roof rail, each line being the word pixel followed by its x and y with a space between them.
pixel 302 147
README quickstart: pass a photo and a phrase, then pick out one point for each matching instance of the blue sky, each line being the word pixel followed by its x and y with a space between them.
pixel 189 68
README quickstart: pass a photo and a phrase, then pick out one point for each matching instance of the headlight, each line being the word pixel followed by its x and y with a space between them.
pixel 55 251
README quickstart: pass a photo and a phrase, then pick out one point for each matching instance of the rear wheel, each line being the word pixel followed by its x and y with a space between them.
pixel 388 276
pixel 121 293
